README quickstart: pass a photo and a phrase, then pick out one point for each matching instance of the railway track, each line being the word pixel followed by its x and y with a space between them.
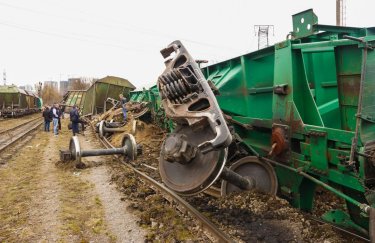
pixel 10 136
pixel 212 191
pixel 204 222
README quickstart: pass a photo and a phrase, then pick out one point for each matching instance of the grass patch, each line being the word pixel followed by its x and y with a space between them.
pixel 82 211
pixel 19 180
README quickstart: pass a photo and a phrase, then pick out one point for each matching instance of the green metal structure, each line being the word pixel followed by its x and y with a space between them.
pixel 308 104
pixel 152 97
pixel 93 100
pixel 16 102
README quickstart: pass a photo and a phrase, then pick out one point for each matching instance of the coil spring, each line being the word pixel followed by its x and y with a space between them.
pixel 174 87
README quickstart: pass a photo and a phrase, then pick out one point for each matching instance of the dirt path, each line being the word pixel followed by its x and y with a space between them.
pixel 121 222
pixel 42 201
pixel 47 200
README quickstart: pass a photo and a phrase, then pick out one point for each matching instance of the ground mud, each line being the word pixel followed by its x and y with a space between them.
pixel 247 217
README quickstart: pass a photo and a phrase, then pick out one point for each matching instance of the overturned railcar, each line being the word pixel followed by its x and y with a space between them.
pixel 94 100
pixel 300 113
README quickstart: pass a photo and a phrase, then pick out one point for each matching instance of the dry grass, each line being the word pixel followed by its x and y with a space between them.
pixel 82 211
pixel 18 183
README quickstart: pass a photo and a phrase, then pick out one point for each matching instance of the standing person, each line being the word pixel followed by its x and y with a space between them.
pixel 55 119
pixel 47 118
pixel 81 121
pixel 59 112
pixel 74 118
pixel 123 105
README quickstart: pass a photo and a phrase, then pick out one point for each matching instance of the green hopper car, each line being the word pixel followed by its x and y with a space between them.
pixel 94 100
pixel 301 112
pixel 15 102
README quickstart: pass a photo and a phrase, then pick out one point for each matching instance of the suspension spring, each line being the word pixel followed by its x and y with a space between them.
pixel 174 87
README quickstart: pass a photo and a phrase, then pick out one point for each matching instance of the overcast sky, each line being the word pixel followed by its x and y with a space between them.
pixel 52 40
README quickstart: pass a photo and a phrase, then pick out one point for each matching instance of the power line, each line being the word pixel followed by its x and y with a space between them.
pixel 134 29
pixel 74 37
pixel 69 37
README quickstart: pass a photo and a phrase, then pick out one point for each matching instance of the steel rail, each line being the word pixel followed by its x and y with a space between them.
pixel 20 125
pixel 33 124
pixel 212 192
pixel 205 222
pixel 345 231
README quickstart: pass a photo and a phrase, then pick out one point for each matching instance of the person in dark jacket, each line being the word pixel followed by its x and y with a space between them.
pixel 61 114
pixel 47 118
pixel 81 121
pixel 74 118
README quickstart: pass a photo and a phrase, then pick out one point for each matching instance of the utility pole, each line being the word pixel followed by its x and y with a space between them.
pixel 39 89
pixel 262 32
pixel 340 12
pixel 5 77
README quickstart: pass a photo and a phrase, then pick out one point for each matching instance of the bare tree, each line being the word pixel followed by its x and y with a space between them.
pixel 50 94
pixel 81 83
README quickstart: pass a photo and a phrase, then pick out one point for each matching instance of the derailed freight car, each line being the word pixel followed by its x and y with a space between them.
pixel 15 102
pixel 298 115
pixel 93 100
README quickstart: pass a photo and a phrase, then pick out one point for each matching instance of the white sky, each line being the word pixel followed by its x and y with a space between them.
pixel 43 40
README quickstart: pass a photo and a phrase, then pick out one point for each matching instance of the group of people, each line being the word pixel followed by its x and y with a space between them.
pixel 54 114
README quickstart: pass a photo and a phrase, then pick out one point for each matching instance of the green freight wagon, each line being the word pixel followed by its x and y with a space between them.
pixel 301 113
pixel 308 103
pixel 152 97
pixel 93 100
pixel 15 102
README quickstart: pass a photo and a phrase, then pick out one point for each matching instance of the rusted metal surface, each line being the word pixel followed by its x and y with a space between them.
pixel 279 140
pixel 188 99
pixel 94 99
pixel 199 141
pixel 261 172
pixel 15 102
pixel 206 166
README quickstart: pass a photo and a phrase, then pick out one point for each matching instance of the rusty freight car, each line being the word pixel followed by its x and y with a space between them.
pixel 93 100
pixel 15 102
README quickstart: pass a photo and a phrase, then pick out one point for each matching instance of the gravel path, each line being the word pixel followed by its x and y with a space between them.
pixel 44 200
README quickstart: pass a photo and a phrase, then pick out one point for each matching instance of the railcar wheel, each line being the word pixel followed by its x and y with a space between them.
pixel 128 140
pixel 197 174
pixel 260 171
pixel 75 150
pixel 101 129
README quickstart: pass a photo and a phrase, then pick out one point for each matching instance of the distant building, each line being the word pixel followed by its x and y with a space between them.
pixel 54 84
pixel 64 87
pixel 27 87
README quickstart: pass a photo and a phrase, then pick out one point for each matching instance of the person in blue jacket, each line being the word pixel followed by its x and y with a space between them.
pixel 55 118
pixel 123 105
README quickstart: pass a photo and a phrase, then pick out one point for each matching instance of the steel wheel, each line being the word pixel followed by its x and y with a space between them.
pixel 262 172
